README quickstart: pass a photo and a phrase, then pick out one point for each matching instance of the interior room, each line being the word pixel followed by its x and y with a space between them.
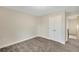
pixel 39 28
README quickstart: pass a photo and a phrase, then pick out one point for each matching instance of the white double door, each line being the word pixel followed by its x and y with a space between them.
pixel 57 28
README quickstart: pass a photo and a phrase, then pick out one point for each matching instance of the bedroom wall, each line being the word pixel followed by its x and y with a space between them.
pixel 15 26
pixel 43 26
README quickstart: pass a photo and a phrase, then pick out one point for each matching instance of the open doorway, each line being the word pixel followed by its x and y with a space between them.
pixel 72 26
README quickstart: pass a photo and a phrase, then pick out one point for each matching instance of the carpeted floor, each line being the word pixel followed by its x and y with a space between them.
pixel 39 44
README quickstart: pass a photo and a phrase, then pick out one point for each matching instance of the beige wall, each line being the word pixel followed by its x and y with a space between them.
pixel 73 26
pixel 43 26
pixel 77 27
pixel 15 26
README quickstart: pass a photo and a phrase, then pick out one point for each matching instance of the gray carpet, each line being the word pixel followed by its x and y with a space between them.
pixel 39 44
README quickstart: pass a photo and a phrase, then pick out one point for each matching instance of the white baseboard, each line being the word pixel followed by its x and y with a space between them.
pixel 17 42
pixel 51 39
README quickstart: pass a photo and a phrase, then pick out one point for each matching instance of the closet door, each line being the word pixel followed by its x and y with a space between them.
pixel 52 27
pixel 57 28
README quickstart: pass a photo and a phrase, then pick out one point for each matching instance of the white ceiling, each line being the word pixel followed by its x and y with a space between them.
pixel 43 10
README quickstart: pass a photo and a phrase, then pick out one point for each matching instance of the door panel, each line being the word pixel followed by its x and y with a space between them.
pixel 58 27
pixel 51 27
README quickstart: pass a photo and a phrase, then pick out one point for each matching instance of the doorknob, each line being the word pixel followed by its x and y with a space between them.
pixel 54 30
